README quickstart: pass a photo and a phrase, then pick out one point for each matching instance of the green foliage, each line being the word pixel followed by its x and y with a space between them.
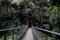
pixel 42 12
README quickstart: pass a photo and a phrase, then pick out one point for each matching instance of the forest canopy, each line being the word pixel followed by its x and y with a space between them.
pixel 42 13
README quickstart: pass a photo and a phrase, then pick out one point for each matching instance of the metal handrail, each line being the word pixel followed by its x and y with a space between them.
pixel 48 32
pixel 56 33
pixel 10 29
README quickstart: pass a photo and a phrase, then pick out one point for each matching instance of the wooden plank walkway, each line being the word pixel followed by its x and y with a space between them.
pixel 29 35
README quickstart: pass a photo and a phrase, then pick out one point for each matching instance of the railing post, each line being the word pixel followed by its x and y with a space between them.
pixel 13 35
pixel 5 35
pixel 29 20
pixel 17 34
pixel 57 37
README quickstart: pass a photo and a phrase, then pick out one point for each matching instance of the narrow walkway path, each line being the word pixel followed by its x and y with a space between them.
pixel 29 35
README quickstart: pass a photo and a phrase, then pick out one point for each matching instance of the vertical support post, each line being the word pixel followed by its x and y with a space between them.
pixel 30 18
pixel 13 35
pixel 17 34
pixel 5 35
pixel 29 22
pixel 46 37
pixel 57 37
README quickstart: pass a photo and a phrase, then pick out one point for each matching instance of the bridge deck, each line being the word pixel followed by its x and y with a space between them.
pixel 29 35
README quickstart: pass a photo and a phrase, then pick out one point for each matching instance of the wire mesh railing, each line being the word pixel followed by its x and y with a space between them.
pixel 13 33
pixel 42 34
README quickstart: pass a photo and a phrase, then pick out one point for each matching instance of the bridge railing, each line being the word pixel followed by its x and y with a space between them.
pixel 42 34
pixel 13 33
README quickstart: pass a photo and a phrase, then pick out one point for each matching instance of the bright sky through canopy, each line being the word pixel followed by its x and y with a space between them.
pixel 17 1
